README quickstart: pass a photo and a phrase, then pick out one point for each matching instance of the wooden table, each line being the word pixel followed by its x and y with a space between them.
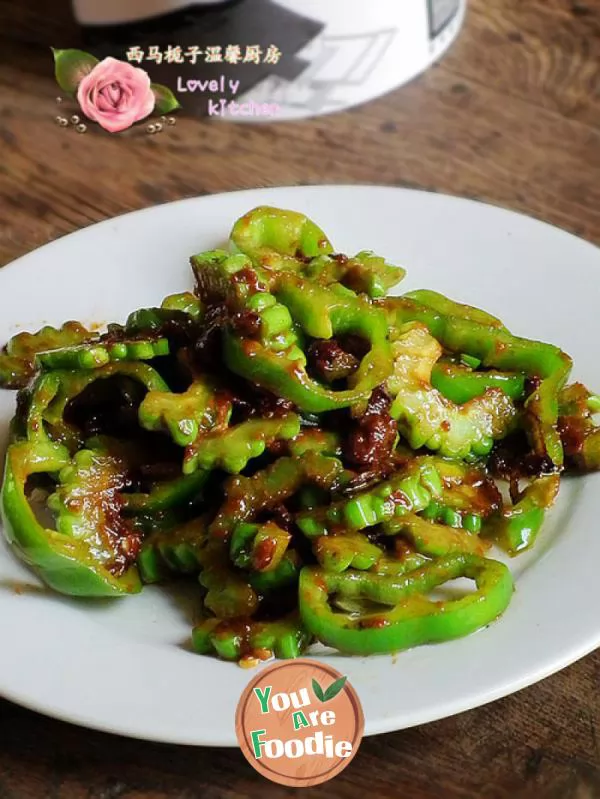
pixel 510 116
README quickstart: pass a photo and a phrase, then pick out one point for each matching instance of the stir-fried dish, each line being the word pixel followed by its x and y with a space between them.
pixel 320 459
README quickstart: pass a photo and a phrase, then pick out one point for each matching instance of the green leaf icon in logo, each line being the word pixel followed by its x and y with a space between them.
pixel 335 688
pixel 165 99
pixel 71 66
pixel 318 691
pixel 331 692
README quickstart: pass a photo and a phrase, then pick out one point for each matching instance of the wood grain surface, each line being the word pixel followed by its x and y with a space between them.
pixel 511 116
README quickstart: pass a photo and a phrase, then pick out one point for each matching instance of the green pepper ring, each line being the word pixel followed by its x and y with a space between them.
pixel 414 619
pixel 62 562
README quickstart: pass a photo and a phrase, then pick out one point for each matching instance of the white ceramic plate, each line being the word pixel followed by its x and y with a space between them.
pixel 123 665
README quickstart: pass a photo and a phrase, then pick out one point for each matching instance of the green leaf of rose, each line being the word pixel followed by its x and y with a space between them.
pixel 318 691
pixel 165 99
pixel 335 688
pixel 71 66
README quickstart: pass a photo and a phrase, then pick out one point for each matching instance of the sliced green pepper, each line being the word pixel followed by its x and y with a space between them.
pixel 272 357
pixel 81 557
pixel 274 238
pixel 285 375
pixel 517 528
pixel 323 312
pixel 461 385
pixel 447 307
pixel 71 384
pixel 166 496
pixel 413 618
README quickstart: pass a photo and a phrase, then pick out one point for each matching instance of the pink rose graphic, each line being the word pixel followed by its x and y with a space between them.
pixel 116 95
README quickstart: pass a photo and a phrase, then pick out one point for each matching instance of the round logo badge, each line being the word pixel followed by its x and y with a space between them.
pixel 299 723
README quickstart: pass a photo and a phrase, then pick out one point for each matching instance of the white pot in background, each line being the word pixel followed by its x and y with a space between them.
pixel 367 48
